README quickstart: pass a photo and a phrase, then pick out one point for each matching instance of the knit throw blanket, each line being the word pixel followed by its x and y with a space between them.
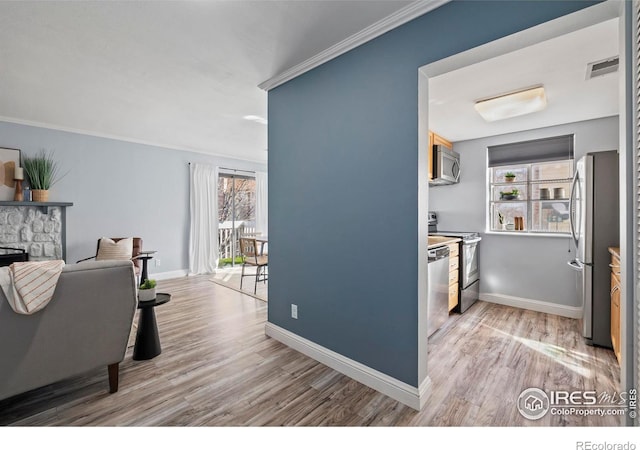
pixel 29 286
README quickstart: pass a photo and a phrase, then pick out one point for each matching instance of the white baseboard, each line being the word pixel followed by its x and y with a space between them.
pixel 169 275
pixel 392 387
pixel 573 312
pixel 423 392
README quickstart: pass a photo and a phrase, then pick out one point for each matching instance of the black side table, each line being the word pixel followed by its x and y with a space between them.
pixel 147 339
pixel 145 256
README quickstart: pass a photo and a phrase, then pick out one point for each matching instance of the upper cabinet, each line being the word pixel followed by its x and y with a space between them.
pixel 435 139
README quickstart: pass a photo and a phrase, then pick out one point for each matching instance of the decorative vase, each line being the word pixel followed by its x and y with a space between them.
pixel 144 295
pixel 39 195
pixel 544 194
pixel 559 193
pixel 18 196
pixel 509 179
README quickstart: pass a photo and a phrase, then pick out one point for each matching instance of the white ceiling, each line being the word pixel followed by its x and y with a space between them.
pixel 184 74
pixel 560 64
pixel 179 74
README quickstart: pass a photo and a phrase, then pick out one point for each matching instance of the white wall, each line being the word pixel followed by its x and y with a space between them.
pixel 524 266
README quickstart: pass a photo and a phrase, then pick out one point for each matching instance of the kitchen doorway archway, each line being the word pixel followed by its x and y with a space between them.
pixel 555 28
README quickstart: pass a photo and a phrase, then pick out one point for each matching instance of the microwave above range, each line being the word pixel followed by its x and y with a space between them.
pixel 446 166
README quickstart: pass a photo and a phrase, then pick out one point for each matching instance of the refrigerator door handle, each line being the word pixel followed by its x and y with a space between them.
pixel 572 211
pixel 587 305
pixel 575 265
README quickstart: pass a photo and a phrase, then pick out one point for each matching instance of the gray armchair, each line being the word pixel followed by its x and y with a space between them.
pixel 85 326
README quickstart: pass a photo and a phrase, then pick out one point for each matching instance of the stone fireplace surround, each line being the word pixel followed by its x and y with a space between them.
pixel 37 228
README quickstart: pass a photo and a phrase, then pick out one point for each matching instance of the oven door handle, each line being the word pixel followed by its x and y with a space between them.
pixel 472 241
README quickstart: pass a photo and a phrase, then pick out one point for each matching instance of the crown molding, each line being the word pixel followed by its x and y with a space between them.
pixel 115 137
pixel 369 33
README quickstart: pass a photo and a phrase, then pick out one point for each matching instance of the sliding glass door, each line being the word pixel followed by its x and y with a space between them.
pixel 236 214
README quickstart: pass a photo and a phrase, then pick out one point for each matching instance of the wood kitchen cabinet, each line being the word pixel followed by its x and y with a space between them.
pixel 435 139
pixel 453 275
pixel 615 301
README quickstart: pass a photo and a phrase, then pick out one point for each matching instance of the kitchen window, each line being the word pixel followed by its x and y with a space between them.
pixel 529 186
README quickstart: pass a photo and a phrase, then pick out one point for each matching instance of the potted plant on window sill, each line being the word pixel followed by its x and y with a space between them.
pixel 503 225
pixel 147 291
pixel 509 195
pixel 509 177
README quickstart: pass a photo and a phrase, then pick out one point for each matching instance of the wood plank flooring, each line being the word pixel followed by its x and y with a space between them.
pixel 218 368
pixel 230 277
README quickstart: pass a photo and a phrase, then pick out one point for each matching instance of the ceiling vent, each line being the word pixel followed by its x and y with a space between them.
pixel 603 67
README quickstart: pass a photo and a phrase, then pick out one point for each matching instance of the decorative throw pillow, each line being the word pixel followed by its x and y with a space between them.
pixel 108 249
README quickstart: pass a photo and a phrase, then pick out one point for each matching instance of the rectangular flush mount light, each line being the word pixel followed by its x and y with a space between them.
pixel 512 105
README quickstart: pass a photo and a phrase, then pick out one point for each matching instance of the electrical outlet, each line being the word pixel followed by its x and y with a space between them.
pixel 157 262
pixel 294 311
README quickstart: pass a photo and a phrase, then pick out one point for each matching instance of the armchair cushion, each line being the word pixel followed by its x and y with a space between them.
pixel 109 249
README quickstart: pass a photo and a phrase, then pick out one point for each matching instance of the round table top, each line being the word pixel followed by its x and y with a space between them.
pixel 160 299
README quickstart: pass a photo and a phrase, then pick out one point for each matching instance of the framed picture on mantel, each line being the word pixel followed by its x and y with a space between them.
pixel 9 160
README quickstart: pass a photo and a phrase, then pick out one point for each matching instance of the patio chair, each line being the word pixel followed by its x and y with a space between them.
pixel 251 256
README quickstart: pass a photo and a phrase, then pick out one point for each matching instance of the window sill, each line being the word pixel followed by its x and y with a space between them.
pixel 527 234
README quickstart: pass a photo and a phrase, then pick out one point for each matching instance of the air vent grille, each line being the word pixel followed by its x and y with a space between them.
pixel 603 67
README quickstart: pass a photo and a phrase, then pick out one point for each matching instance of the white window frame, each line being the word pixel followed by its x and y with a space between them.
pixel 528 200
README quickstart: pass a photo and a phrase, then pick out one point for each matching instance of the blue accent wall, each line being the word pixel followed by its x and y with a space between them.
pixel 343 186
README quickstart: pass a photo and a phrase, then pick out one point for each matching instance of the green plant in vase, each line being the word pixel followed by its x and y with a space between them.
pixel 147 290
pixel 148 284
pixel 509 195
pixel 42 172
pixel 509 177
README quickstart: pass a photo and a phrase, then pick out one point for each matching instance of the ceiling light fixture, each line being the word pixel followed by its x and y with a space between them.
pixel 512 104
pixel 257 119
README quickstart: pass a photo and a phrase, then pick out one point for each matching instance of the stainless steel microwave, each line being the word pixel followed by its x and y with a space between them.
pixel 446 166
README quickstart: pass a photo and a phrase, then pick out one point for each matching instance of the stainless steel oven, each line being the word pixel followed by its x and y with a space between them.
pixel 469 262
pixel 470 256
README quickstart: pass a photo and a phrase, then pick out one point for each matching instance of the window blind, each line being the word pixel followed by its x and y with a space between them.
pixel 528 152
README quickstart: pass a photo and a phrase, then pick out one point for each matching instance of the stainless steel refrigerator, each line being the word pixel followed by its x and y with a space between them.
pixel 595 220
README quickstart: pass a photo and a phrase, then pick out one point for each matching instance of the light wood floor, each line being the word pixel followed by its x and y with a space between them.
pixel 218 368
pixel 230 277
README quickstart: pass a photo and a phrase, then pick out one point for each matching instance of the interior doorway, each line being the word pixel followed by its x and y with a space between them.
pixel 563 25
